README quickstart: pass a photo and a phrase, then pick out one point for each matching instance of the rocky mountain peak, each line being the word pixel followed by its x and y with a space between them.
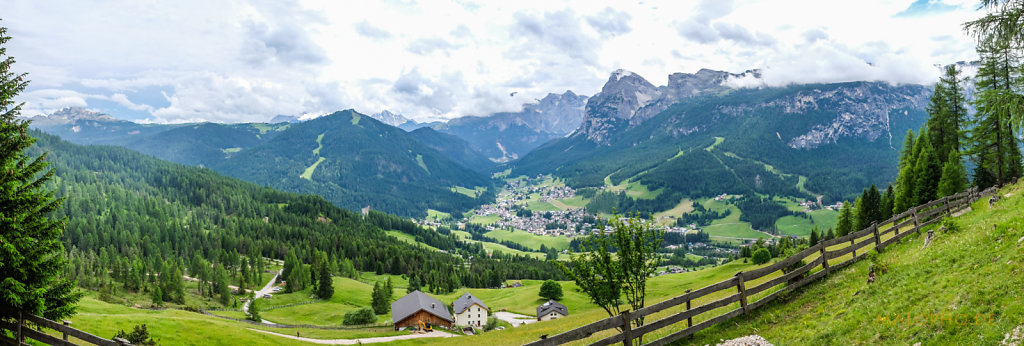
pixel 387 117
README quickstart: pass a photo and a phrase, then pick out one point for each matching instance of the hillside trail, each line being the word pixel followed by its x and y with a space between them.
pixel 266 290
pixel 434 334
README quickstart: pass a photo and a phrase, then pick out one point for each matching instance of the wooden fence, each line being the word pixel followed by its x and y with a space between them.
pixel 22 330
pixel 877 236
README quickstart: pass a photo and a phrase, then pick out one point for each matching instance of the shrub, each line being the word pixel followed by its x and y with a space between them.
pixel 138 336
pixel 761 256
pixel 361 316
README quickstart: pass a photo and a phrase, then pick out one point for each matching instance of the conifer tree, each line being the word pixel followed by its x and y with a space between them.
pixel 947 113
pixel 830 235
pixel 888 200
pixel 845 224
pixel 814 236
pixel 927 171
pixel 324 290
pixel 904 198
pixel 994 146
pixel 32 259
pixel 954 176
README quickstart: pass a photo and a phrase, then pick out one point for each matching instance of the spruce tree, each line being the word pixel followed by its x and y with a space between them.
pixel 888 199
pixel 845 224
pixel 947 113
pixel 954 176
pixel 814 236
pixel 927 172
pixel 904 198
pixel 32 259
pixel 324 290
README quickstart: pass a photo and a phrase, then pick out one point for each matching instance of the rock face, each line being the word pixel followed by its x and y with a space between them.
pixel 69 115
pixel 861 109
pixel 389 118
pixel 507 136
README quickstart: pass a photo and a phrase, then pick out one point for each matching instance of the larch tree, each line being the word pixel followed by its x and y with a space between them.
pixel 32 258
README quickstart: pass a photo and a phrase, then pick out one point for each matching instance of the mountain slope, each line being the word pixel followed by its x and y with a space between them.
pixel 454 148
pixel 717 140
pixel 507 136
pixel 962 289
pixel 355 161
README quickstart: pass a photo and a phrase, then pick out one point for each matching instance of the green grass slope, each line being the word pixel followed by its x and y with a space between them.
pixel 963 289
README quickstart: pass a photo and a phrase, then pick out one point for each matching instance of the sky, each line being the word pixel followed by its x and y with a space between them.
pixel 248 61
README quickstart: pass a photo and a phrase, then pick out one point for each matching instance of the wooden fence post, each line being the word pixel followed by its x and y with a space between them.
pixel 66 324
pixel 878 240
pixel 742 291
pixel 917 222
pixel 21 324
pixel 824 260
pixel 689 320
pixel 852 239
pixel 627 332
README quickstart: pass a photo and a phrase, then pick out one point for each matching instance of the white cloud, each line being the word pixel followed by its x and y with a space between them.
pixel 248 61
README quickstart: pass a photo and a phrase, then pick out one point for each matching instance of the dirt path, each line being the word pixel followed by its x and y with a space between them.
pixel 266 290
pixel 514 319
pixel 434 334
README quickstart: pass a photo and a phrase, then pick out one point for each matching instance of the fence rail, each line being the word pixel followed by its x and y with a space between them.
pixel 21 331
pixel 878 236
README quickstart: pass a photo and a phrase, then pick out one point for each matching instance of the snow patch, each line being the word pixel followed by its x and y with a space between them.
pixel 620 73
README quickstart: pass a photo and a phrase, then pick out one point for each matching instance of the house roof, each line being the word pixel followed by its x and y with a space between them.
pixel 552 305
pixel 465 301
pixel 416 301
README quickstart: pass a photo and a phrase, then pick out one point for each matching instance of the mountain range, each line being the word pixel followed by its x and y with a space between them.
pixel 701 134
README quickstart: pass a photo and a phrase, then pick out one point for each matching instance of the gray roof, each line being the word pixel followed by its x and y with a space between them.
pixel 552 305
pixel 465 301
pixel 416 301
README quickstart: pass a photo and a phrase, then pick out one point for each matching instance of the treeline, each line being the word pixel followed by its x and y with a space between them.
pixel 130 216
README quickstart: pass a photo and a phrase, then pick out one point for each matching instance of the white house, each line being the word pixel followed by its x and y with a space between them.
pixel 551 310
pixel 470 311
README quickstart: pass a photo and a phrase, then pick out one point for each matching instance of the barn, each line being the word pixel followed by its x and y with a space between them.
pixel 417 306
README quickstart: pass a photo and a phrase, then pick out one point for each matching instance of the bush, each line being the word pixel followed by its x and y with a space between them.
pixel 361 316
pixel 551 290
pixel 138 336
pixel 761 256
pixel 491 324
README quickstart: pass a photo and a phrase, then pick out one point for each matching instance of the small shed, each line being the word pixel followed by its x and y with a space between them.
pixel 551 310
pixel 470 311
pixel 417 306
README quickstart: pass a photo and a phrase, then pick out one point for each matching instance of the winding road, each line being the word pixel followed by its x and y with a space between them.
pixel 266 290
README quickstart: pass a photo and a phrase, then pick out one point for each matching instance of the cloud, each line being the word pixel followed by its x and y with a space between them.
pixel 288 44
pixel 368 30
pixel 705 28
pixel 426 46
pixel 610 23
pixel 559 31
pixel 814 35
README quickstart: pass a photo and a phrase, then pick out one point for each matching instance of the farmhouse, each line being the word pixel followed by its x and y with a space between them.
pixel 551 310
pixel 470 311
pixel 418 307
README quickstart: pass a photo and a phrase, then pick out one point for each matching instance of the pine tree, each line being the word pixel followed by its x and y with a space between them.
pixel 325 290
pixel 994 146
pixel 32 259
pixel 845 224
pixel 954 176
pixel 830 235
pixel 904 198
pixel 868 210
pixel 814 236
pixel 888 200
pixel 927 172
pixel 947 113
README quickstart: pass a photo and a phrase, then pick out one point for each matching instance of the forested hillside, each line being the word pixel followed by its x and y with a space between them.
pixel 129 216
pixel 355 161
pixel 748 140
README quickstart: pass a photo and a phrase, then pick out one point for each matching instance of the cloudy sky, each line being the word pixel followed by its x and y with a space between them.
pixel 239 61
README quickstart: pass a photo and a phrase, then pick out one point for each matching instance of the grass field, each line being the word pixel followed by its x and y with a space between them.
pixel 436 215
pixel 308 172
pixel 669 217
pixel 799 226
pixel 467 191
pixel 349 295
pixel 963 289
pixel 485 219
pixel 408 238
pixel 530 240
pixel 540 206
